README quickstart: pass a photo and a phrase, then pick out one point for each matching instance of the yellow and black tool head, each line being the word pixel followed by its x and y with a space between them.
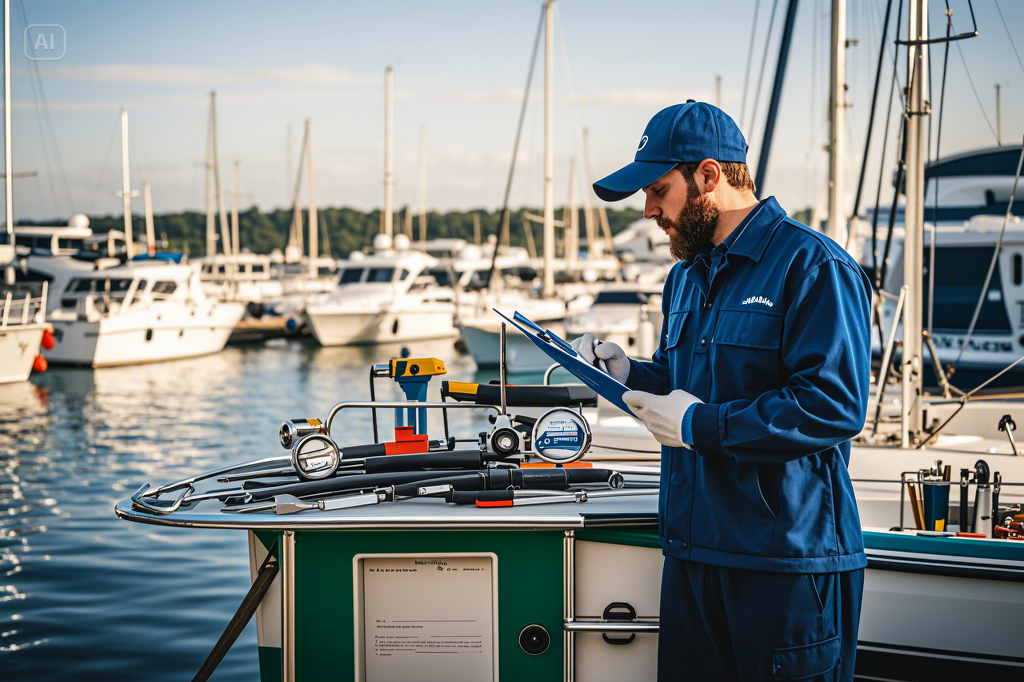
pixel 416 367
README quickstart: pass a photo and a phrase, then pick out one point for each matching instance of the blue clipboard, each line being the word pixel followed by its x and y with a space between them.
pixel 562 353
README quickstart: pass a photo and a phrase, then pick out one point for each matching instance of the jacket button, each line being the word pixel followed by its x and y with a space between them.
pixel 703 342
pixel 684 545
pixel 670 541
pixel 707 306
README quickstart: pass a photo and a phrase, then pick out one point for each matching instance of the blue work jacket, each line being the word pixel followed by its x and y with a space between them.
pixel 777 345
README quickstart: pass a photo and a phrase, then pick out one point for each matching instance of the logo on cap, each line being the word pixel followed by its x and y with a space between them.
pixel 643 143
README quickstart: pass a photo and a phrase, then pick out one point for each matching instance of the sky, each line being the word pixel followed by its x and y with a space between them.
pixel 460 71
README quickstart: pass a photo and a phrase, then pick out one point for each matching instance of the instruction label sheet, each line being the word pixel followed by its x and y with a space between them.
pixel 429 618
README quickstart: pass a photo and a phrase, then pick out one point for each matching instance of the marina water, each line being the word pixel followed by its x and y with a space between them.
pixel 85 596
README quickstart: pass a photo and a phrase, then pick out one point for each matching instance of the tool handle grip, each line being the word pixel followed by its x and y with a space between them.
pixel 467 497
pixel 456 459
pixel 342 484
pixel 361 451
pixel 474 481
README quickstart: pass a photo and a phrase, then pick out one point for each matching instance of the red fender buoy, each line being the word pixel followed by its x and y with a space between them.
pixel 48 340
pixel 40 364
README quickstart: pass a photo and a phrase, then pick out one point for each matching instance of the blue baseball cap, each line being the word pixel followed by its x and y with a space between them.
pixel 683 133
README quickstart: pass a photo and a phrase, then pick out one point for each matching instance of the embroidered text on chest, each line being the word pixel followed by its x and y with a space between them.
pixel 758 299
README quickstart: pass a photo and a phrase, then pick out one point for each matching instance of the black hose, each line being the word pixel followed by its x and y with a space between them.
pixel 264 579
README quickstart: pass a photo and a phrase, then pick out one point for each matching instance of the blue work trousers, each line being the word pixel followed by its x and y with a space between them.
pixel 735 625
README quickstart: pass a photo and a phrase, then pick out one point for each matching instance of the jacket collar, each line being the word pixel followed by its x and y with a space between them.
pixel 757 229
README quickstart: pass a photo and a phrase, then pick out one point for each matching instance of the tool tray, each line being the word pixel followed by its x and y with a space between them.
pixel 564 395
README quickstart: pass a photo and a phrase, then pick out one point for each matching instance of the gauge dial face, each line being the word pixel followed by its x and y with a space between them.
pixel 561 435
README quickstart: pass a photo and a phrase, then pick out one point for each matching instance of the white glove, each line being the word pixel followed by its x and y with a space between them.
pixel 608 357
pixel 662 414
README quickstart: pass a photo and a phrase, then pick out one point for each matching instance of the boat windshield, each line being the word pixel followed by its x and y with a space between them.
pixel 116 288
pixel 351 275
pixel 380 275
pixel 621 298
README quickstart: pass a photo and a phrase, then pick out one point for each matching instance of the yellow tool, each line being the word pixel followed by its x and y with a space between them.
pixel 401 368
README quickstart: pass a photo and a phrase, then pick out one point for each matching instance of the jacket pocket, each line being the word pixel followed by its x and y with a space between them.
pixel 801 662
pixel 746 354
pixel 749 329
pixel 766 487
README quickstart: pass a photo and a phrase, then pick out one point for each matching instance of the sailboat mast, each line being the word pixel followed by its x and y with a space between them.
pixel 8 162
pixel 147 201
pixel 314 235
pixel 389 155
pixel 549 150
pixel 211 221
pixel 234 208
pixel 423 184
pixel 225 231
pixel 835 227
pixel 126 187
pixel 913 256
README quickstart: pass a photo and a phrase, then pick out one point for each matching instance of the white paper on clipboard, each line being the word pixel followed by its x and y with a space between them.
pixel 561 352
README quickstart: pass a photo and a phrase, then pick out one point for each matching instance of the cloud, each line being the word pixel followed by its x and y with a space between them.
pixel 173 74
pixel 186 100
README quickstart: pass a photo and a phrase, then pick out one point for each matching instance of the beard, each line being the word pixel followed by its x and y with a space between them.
pixel 694 228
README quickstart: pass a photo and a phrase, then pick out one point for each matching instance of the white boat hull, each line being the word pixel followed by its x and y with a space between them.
pixel 340 328
pixel 521 356
pixel 19 346
pixel 134 337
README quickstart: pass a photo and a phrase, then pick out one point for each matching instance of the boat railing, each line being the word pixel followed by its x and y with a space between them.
pixel 20 306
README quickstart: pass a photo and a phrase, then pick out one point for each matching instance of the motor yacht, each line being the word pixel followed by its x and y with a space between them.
pixel 384 297
pixel 142 312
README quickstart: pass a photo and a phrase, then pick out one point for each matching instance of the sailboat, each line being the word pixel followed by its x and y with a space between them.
pixel 390 294
pixel 550 303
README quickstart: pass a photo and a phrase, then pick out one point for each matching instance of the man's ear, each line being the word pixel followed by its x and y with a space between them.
pixel 711 172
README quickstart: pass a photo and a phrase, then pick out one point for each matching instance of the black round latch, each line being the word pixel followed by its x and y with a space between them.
pixel 534 639
pixel 619 611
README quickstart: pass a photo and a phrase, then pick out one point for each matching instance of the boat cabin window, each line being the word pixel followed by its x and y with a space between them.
pixel 67 243
pixel 380 274
pixel 164 288
pixel 325 271
pixel 207 268
pixel 220 270
pixel 959 275
pixel 441 276
pixel 1018 269
pixel 116 288
pixel 351 275
pixel 405 273
pixel 141 286
pixel 621 298
pixel 257 268
pixel 241 269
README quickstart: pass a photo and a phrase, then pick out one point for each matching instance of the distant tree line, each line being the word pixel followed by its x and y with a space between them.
pixel 348 229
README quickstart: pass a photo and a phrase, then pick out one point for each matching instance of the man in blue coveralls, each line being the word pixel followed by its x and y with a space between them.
pixel 758 384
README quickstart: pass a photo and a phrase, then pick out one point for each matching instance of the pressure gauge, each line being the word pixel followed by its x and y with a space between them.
pixel 561 435
pixel 315 457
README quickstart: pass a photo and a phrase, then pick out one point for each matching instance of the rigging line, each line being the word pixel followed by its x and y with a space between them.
pixel 938 149
pixel 900 154
pixel 750 55
pixel 103 169
pixel 975 91
pixel 503 221
pixel 871 115
pixel 764 62
pixel 995 259
pixel 1008 35
pixel 46 114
